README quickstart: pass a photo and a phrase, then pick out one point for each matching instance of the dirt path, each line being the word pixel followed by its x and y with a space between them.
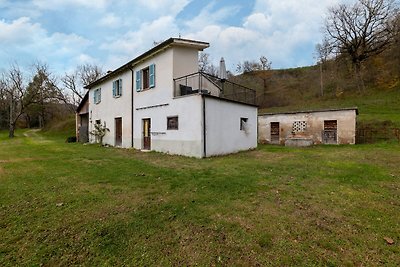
pixel 31 133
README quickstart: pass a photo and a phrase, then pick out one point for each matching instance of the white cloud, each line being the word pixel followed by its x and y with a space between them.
pixel 24 40
pixel 164 7
pixel 208 16
pixel 18 31
pixel 258 21
pixel 276 29
pixel 111 21
pixel 121 30
pixel 124 48
pixel 56 4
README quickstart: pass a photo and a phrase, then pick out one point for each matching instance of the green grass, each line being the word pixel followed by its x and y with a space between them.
pixel 72 204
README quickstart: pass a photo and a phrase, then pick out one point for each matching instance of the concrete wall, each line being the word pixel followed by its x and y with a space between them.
pixel 223 127
pixel 185 61
pixel 187 140
pixel 110 108
pixel 346 126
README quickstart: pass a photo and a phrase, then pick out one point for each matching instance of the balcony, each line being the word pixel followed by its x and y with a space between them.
pixel 203 83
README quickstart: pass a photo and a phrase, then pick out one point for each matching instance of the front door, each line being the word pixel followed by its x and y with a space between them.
pixel 330 132
pixel 275 132
pixel 146 134
pixel 118 131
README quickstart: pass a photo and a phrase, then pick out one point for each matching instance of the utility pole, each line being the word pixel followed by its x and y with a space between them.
pixel 322 82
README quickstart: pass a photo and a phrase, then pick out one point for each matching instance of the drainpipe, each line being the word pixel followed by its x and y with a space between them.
pixel 204 125
pixel 132 109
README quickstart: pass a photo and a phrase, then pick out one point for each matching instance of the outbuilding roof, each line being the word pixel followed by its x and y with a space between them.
pixel 155 50
pixel 311 111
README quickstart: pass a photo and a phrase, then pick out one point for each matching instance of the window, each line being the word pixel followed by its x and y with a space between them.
pixel 145 78
pixel 97 96
pixel 117 88
pixel 243 124
pixel 299 126
pixel 172 123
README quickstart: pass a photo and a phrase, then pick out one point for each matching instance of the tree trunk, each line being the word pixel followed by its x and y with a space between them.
pixel 322 82
pixel 11 130
pixel 359 77
pixel 11 120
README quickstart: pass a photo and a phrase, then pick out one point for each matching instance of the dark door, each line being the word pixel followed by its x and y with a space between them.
pixel 275 132
pixel 118 131
pixel 330 132
pixel 84 128
pixel 146 134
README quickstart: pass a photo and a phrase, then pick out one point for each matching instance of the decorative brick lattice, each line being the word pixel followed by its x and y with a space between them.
pixel 299 126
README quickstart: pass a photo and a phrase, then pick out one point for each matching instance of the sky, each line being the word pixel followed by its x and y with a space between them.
pixel 109 33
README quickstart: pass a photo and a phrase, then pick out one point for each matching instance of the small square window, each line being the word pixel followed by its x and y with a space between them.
pixel 172 123
pixel 299 126
pixel 243 124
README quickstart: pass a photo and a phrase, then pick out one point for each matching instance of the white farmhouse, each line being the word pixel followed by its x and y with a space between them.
pixel 159 101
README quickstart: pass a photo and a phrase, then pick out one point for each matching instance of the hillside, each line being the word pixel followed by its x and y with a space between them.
pixel 299 88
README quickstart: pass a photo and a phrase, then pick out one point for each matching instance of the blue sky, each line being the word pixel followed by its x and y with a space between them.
pixel 109 33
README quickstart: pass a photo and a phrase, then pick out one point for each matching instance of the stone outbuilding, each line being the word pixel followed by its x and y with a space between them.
pixel 303 128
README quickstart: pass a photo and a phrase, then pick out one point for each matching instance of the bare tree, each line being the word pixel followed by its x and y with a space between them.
pixel 361 30
pixel 249 66
pixel 206 66
pixel 76 81
pixel 15 90
pixel 265 63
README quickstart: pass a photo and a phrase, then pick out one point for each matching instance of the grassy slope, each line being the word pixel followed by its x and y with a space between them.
pixel 64 204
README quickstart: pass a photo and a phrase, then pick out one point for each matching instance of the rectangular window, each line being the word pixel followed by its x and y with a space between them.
pixel 117 88
pixel 97 96
pixel 243 124
pixel 146 78
pixel 172 123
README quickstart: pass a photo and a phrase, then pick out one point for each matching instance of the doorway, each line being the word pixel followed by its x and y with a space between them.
pixel 330 132
pixel 118 131
pixel 146 134
pixel 275 132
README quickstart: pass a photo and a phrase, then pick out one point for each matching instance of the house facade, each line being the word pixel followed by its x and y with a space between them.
pixel 302 128
pixel 159 101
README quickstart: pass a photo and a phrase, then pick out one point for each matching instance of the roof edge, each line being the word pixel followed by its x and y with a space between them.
pixel 310 111
pixel 158 48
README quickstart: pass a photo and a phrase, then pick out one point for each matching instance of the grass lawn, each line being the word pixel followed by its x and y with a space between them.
pixel 72 204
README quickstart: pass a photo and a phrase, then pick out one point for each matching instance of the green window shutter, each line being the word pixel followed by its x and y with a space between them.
pixel 138 81
pixel 99 96
pixel 152 76
pixel 95 96
pixel 120 87
pixel 114 88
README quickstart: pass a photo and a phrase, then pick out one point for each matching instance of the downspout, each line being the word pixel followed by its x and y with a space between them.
pixel 204 126
pixel 132 108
